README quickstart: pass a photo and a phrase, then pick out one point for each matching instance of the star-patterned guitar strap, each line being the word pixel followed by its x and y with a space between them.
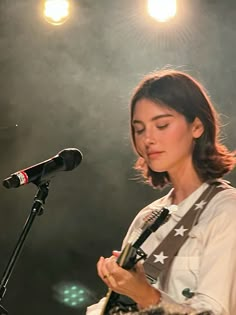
pixel 162 256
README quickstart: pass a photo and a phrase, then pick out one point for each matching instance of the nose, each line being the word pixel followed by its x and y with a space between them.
pixel 149 137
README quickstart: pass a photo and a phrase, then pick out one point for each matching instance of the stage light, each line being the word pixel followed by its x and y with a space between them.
pixel 73 295
pixel 162 10
pixel 56 12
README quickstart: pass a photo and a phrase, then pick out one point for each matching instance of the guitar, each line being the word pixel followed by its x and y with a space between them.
pixel 129 256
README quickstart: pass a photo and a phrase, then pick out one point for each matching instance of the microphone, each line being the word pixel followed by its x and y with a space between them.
pixel 65 160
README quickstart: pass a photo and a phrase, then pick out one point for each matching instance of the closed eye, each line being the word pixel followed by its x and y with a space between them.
pixel 138 132
pixel 162 126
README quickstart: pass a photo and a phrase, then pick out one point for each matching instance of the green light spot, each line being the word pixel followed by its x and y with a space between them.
pixel 72 295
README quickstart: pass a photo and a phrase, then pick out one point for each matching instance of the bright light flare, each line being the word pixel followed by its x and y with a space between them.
pixel 56 12
pixel 162 10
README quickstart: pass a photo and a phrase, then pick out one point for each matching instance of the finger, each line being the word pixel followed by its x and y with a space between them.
pixel 116 253
pixel 110 280
pixel 137 269
pixel 109 270
pixel 104 267
pixel 112 265
pixel 100 264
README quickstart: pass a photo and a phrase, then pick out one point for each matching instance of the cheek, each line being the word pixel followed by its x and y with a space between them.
pixel 138 145
pixel 179 137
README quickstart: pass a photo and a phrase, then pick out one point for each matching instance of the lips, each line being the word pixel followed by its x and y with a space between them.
pixel 154 154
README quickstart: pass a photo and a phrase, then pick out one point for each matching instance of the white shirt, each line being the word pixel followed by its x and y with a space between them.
pixel 206 263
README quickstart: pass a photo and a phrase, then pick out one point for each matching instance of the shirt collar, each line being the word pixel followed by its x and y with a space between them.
pixel 178 211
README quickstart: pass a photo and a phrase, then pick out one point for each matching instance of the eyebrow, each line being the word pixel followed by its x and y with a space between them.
pixel 136 121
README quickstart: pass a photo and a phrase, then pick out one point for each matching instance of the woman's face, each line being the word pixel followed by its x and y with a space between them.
pixel 163 137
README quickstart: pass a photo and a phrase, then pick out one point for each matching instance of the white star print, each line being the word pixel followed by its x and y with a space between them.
pixel 160 258
pixel 180 231
pixel 200 205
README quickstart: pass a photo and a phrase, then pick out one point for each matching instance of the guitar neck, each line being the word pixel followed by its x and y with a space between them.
pixel 127 258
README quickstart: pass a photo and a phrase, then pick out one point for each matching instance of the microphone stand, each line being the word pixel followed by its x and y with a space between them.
pixel 37 209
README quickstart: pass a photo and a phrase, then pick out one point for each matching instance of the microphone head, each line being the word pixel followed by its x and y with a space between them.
pixel 71 157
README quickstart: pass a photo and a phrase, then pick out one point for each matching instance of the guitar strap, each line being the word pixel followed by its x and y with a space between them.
pixel 161 258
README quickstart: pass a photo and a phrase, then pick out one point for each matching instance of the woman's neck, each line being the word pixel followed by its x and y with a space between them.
pixel 184 185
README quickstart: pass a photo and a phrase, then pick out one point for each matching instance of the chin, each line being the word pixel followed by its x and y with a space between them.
pixel 157 169
pixel 156 166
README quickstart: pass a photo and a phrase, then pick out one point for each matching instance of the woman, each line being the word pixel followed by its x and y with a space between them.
pixel 175 132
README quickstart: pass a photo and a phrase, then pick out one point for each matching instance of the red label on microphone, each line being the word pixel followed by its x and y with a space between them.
pixel 23 177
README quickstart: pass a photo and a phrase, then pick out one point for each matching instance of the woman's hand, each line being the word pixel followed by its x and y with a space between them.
pixel 132 283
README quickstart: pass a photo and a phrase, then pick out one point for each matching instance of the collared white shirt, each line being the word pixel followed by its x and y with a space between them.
pixel 206 263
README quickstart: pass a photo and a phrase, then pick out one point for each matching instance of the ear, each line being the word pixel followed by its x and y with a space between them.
pixel 197 128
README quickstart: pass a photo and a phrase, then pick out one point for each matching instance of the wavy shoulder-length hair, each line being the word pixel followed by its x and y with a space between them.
pixel 187 96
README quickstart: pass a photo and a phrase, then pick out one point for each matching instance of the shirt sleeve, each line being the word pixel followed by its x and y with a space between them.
pixel 96 309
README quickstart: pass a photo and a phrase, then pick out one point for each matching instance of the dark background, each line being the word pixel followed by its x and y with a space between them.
pixel 69 86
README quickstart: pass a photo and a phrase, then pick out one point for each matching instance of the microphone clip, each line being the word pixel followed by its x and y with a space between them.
pixel 40 197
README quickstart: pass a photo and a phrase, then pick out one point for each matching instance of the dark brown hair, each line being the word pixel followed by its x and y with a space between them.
pixel 184 94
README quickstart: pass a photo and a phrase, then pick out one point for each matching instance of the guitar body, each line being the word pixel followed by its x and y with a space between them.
pixel 118 303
